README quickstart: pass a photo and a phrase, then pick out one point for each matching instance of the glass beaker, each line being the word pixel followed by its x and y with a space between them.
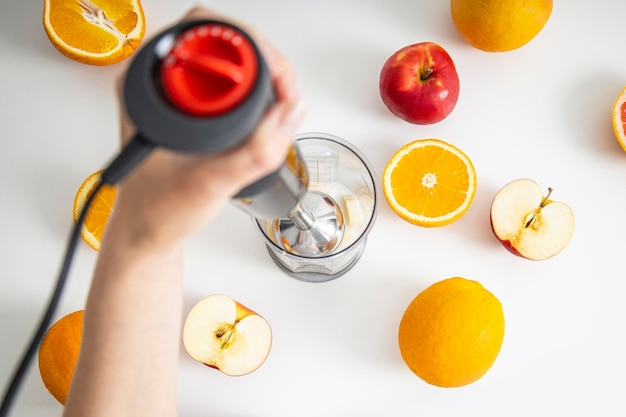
pixel 325 235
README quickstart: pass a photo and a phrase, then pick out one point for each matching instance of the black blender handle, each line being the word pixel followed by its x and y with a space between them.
pixel 131 155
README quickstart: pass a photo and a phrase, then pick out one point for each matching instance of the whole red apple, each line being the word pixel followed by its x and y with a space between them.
pixel 419 83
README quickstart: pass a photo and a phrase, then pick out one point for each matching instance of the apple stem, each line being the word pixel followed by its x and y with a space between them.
pixel 545 198
pixel 425 73
pixel 532 216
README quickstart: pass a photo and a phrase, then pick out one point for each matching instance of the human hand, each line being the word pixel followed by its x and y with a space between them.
pixel 170 195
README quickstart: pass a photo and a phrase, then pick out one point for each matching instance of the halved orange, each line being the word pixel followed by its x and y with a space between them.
pixel 429 182
pixel 619 118
pixel 95 32
pixel 98 213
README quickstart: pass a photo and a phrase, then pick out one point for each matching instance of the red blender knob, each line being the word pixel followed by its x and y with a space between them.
pixel 210 70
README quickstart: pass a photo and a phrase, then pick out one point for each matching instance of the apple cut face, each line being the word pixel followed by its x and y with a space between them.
pixel 224 334
pixel 528 224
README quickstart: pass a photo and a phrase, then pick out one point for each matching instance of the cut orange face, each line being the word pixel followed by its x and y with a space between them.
pixel 429 183
pixel 619 118
pixel 99 211
pixel 95 32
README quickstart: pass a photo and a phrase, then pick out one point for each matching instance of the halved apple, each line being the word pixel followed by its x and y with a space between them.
pixel 225 335
pixel 528 223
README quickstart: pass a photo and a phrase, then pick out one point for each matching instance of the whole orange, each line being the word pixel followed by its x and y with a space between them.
pixel 451 333
pixel 58 354
pixel 500 25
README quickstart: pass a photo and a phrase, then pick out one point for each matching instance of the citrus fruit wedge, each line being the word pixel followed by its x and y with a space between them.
pixel 99 211
pixel 429 183
pixel 619 118
pixel 95 32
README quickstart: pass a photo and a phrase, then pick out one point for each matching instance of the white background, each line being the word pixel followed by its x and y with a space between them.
pixel 542 112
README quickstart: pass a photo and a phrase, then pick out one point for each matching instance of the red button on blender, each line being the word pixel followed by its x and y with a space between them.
pixel 210 70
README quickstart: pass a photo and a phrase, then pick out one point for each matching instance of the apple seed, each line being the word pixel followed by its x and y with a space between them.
pixel 225 334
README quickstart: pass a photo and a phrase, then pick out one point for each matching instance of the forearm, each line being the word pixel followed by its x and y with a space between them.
pixel 129 357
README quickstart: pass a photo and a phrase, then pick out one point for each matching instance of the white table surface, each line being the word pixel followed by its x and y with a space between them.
pixel 542 112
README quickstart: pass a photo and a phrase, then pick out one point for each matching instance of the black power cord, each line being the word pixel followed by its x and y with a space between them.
pixel 132 154
pixel 11 392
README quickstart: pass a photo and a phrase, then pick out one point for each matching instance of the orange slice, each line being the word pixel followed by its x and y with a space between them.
pixel 99 211
pixel 619 118
pixel 95 32
pixel 429 183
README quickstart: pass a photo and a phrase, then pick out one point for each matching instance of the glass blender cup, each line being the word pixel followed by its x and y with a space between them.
pixel 324 236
